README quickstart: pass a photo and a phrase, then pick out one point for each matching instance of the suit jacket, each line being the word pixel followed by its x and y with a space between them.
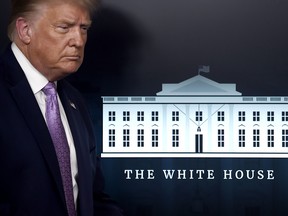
pixel 30 180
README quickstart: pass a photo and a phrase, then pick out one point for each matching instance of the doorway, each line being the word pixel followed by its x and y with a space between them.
pixel 199 143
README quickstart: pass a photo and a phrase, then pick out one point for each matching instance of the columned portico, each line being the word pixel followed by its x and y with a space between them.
pixel 197 118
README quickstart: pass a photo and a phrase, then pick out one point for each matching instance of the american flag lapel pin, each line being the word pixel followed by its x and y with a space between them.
pixel 73 105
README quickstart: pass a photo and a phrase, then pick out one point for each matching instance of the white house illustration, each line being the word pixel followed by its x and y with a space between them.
pixel 195 118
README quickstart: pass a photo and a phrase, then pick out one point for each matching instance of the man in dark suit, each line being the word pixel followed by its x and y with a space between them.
pixel 37 176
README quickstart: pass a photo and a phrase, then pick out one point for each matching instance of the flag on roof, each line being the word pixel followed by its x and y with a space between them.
pixel 204 69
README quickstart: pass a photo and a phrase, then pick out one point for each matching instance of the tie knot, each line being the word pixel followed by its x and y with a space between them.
pixel 50 89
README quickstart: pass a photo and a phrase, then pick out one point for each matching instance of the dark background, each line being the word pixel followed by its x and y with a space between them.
pixel 134 46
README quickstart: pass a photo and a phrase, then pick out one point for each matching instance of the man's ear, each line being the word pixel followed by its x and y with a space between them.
pixel 23 30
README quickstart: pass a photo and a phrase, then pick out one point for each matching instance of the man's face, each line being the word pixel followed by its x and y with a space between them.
pixel 58 37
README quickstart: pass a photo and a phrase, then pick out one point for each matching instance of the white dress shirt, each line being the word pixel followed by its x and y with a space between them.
pixel 37 82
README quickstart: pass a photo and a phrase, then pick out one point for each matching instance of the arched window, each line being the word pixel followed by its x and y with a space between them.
pixel 175 135
pixel 284 136
pixel 241 136
pixel 270 136
pixel 155 136
pixel 111 135
pixel 220 135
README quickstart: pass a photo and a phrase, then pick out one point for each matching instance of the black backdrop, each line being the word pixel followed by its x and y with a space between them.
pixel 134 46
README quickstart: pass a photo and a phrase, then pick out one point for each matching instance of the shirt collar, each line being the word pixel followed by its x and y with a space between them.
pixel 36 80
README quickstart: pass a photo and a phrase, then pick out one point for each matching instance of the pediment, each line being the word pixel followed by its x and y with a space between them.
pixel 198 85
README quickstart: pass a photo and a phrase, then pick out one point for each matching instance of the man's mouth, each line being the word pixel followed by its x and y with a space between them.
pixel 73 58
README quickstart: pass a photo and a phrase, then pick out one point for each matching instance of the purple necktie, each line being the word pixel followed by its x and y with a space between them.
pixel 59 139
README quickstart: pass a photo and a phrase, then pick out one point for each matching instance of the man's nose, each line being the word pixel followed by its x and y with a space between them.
pixel 78 39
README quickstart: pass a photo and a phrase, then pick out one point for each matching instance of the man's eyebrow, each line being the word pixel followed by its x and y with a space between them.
pixel 73 22
pixel 88 23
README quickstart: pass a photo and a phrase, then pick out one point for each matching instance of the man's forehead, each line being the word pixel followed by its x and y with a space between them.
pixel 68 12
pixel 60 4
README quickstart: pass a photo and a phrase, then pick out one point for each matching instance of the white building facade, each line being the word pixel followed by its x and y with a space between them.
pixel 195 118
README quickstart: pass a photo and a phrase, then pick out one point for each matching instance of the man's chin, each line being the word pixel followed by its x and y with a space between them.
pixel 67 73
pixel 70 69
pixel 63 74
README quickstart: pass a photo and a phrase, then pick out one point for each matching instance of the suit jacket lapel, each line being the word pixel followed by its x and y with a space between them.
pixel 28 106
pixel 81 141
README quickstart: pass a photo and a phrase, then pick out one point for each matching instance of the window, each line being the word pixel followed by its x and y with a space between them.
pixel 175 137
pixel 256 138
pixel 270 116
pixel 111 137
pixel 126 116
pixel 284 138
pixel 220 137
pixel 284 116
pixel 241 138
pixel 270 137
pixel 175 116
pixel 140 137
pixel 154 115
pixel 241 116
pixel 154 137
pixel 126 137
pixel 198 116
pixel 220 115
pixel 112 115
pixel 140 116
pixel 256 116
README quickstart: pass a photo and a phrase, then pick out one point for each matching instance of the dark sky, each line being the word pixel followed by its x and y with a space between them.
pixel 135 45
